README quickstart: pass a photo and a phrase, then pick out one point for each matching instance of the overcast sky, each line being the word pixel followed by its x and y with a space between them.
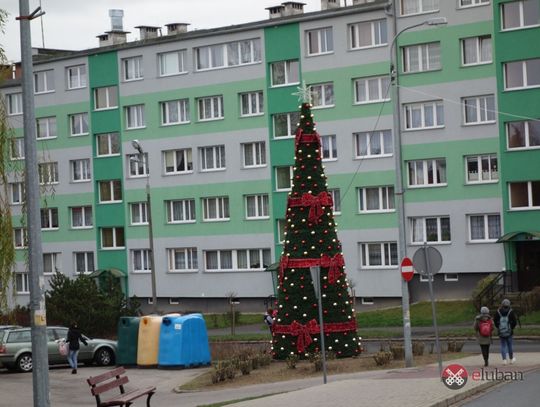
pixel 74 24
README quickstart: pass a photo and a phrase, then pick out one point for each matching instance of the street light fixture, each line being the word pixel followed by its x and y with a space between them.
pixel 400 206
pixel 316 278
pixel 137 146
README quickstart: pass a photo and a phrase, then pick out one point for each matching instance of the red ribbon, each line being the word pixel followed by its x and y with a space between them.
pixel 315 203
pixel 306 138
pixel 334 265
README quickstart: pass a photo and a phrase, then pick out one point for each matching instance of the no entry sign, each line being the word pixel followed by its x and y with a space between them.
pixel 407 270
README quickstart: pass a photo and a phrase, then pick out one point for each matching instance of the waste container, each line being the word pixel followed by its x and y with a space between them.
pixel 183 342
pixel 148 346
pixel 128 339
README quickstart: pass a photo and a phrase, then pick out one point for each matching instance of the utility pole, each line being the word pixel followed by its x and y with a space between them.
pixel 38 319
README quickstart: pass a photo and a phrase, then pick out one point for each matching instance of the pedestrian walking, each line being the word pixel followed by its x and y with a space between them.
pixel 73 338
pixel 506 321
pixel 269 318
pixel 483 326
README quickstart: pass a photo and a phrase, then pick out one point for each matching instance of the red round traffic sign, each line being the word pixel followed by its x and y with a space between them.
pixel 407 269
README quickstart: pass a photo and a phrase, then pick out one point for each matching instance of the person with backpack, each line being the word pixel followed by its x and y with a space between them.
pixel 483 326
pixel 506 321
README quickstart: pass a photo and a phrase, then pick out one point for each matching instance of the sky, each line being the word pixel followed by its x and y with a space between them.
pixel 74 24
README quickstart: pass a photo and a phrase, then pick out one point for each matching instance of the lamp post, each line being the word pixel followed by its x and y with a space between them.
pixel 137 146
pixel 316 278
pixel 400 206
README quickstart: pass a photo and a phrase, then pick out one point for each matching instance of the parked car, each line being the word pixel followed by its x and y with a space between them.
pixel 4 327
pixel 16 349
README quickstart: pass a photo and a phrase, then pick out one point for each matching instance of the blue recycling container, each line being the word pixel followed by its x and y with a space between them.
pixel 128 338
pixel 183 342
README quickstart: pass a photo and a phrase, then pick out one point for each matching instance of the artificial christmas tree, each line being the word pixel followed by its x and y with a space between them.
pixel 310 241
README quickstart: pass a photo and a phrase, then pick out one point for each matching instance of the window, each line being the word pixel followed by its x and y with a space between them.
pixel 108 144
pixel 133 68
pixel 368 301
pixel 182 259
pixel 432 229
pixel 425 279
pixel 520 14
pixel 178 161
pixel 422 57
pixel 78 124
pixel 138 166
pixel 284 178
pixel 84 262
pixel 322 95
pixel 285 72
pixel 451 277
pixel 251 103
pixel 525 195
pixel 215 209
pixel 336 201
pixel 46 127
pixel 476 50
pixel 174 300
pixel 479 109
pixel 370 90
pixel 418 6
pixel 172 63
pixel 22 285
pixel 17 192
pixel 48 173
pixel 228 54
pixel 427 172
pixel 484 228
pixel 254 154
pixel 329 148
pixel 237 260
pixel 285 124
pixel 20 238
pixel 379 255
pixel 16 151
pixel 80 170
pixel 368 34
pixel 141 260
pixel 320 41
pixel 44 81
pixel 14 104
pixel 81 217
pixel 210 108
pixel 373 144
pixel 281 229
pixel 212 158
pixel 174 112
pixel 257 206
pixel 112 238
pixel 76 76
pixel 110 191
pixel 426 115
pixel 139 213
pixel 482 168
pixel 49 218
pixel 135 117
pixel 472 3
pixel 105 97
pixel 523 134
pixel 376 199
pixel 522 74
pixel 180 211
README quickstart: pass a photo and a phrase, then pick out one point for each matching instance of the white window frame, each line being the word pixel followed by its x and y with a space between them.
pixel 14 104
pixel 52 260
pixel 132 69
pixel 48 125
pixel 530 204
pixel 420 6
pixel 174 300
pixel 362 90
pixel 49 215
pixel 282 167
pixel 190 259
pixel 22 284
pixel 16 190
pixel 142 213
pixel 526 135
pixel 281 226
pixel 478 42
pixel 451 277
pixel 135 117
pixel 408 109
pixel 257 154
pixel 187 211
pixel 251 104
pixel 76 122
pixel 225 60
pixel 215 110
pixel 234 254
pixel 480 107
pixel 424 173
pixel 425 279
pixel 144 260
pixel 137 167
pixel 367 301
pixel 522 13
pixel 111 97
pixel 336 200
pixel 181 106
pixel 16 148
pixel 181 56
pixel 212 158
pixel 85 210
pixel 329 150
pixel 83 167
pixel 322 95
pixel 187 160
pixel 111 187
pixel 370 136
pixel 474 3
pixel 386 200
pixel 76 77
pixel 423 231
pixel 87 263
pixel 261 206
pixel 486 217
pixel 323 40
pixel 378 34
pixel 289 77
pixel 492 176
pixel 44 78
pixel 116 236
pixel 524 76
pixel 20 238
pixel 424 52
pixel 48 173
pixel 385 250
pixel 291 124
pixel 222 209
pixel 113 140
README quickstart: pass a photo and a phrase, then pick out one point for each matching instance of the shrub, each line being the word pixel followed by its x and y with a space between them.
pixel 292 360
pixel 245 367
pixel 418 348
pixel 398 351
pixel 382 358
pixel 481 285
pixel 455 346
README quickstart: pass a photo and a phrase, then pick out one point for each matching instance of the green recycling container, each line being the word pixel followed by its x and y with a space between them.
pixel 128 339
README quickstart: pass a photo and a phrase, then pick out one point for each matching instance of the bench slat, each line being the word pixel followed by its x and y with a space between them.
pixel 101 388
pixel 127 397
pixel 105 376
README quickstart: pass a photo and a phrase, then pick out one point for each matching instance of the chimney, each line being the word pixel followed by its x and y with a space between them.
pixel 116 19
pixel 329 4
pixel 275 11
pixel 176 28
pixel 147 32
pixel 117 35
pixel 286 9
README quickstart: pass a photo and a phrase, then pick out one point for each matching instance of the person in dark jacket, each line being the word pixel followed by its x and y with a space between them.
pixel 73 338
pixel 506 321
pixel 484 340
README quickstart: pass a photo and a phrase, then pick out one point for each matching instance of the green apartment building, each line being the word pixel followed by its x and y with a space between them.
pixel 214 114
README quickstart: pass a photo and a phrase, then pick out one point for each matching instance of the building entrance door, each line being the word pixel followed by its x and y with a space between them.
pixel 528 262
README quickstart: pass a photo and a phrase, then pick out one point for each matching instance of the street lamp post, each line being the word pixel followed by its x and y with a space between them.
pixel 316 278
pixel 137 146
pixel 400 206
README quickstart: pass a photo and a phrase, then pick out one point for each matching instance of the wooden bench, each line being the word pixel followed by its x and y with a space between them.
pixel 111 380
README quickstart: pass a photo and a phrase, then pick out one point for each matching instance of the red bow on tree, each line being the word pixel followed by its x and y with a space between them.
pixel 315 203
pixel 303 333
pixel 334 265
pixel 302 137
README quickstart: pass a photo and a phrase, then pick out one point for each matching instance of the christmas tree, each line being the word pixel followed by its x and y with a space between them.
pixel 311 240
